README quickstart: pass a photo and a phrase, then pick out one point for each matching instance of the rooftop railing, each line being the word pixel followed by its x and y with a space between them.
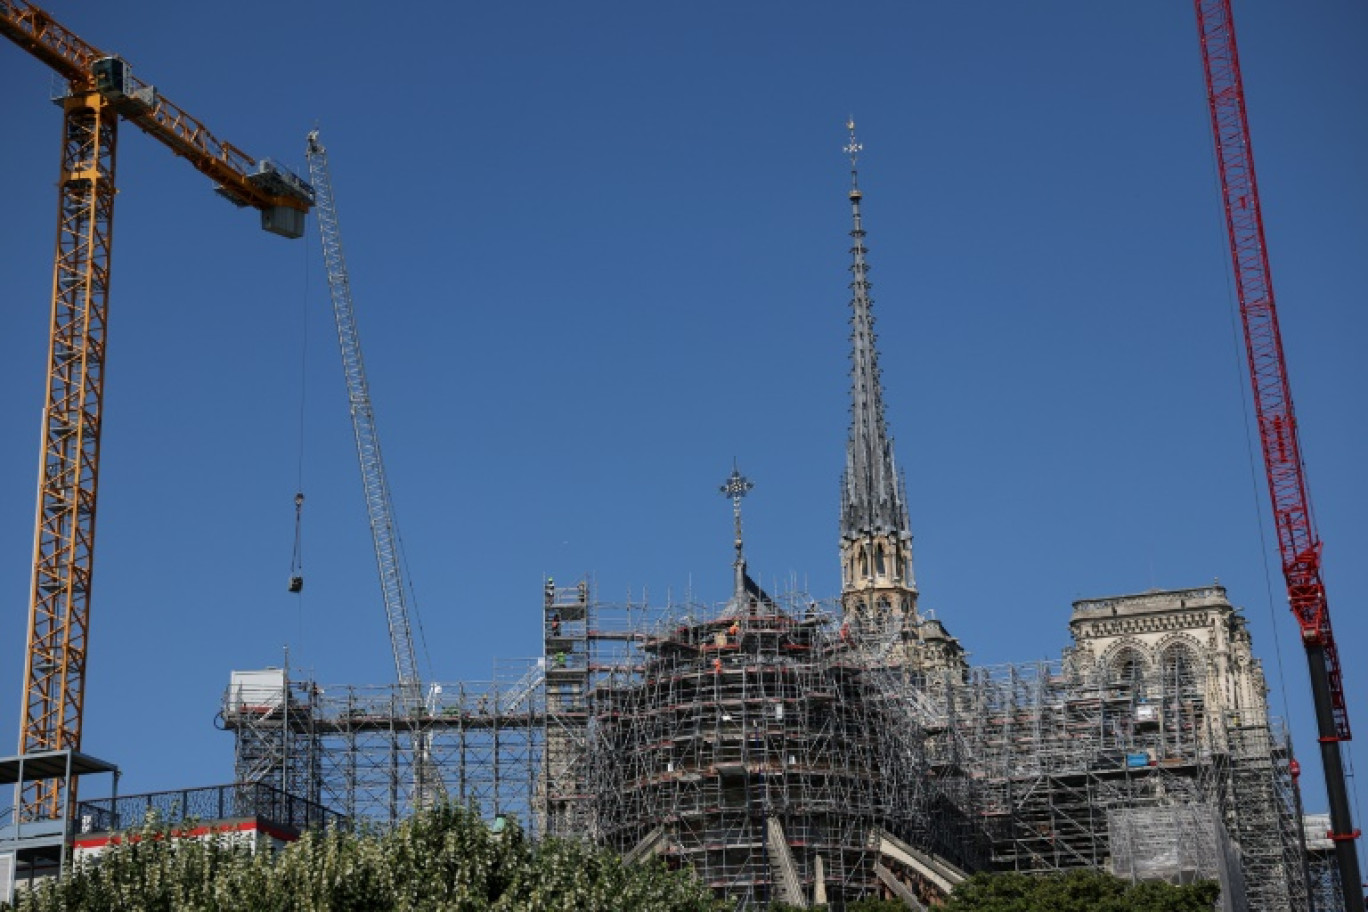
pixel 215 802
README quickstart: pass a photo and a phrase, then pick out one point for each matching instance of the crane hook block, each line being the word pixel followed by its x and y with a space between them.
pixel 296 584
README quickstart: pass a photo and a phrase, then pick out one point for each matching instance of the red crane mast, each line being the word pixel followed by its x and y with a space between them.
pixel 1298 544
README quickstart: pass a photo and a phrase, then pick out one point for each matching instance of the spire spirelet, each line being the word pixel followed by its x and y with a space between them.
pixel 872 497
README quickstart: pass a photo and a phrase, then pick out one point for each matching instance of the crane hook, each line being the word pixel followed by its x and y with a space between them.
pixel 297 559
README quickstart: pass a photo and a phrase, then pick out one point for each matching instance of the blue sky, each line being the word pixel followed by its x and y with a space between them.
pixel 598 251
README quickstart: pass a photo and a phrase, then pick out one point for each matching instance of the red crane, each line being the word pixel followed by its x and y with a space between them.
pixel 1298 543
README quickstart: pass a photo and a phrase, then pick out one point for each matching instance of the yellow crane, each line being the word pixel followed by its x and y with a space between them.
pixel 101 91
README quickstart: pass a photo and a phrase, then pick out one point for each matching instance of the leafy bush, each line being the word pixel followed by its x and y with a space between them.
pixel 444 860
pixel 1078 891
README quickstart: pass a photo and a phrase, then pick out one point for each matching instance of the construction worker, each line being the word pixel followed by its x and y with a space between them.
pixel 734 631
pixel 555 623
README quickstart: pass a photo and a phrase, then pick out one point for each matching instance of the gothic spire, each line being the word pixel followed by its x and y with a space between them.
pixel 872 497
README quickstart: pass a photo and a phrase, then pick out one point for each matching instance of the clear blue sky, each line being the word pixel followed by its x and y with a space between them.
pixel 598 251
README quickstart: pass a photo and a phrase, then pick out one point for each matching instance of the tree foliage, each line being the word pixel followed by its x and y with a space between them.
pixel 1078 891
pixel 444 860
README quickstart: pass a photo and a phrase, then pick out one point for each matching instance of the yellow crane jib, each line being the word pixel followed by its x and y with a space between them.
pixel 282 196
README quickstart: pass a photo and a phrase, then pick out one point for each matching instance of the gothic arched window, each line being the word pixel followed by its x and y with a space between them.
pixel 1181 673
pixel 1129 671
pixel 1182 681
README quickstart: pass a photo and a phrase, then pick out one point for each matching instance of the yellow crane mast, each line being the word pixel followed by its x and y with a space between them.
pixel 101 91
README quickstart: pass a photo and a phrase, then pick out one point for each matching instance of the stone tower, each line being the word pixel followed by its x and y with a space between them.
pixel 1181 650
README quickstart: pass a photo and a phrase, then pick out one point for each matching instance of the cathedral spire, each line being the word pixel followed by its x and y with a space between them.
pixel 872 497
pixel 878 587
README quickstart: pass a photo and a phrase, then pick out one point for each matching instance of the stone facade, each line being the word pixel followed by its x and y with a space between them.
pixel 1191 641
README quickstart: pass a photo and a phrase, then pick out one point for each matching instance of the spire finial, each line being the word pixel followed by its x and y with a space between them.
pixel 853 149
pixel 736 486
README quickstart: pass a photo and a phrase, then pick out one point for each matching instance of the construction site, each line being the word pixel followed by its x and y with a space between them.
pixel 785 747
pixel 784 753
pixel 813 752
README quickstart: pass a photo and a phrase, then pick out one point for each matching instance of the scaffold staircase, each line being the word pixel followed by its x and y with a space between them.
pixel 790 884
pixel 565 673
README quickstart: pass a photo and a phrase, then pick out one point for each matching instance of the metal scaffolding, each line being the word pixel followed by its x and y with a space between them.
pixel 1064 752
pixel 784 755
pixel 749 746
pixel 1323 875
pixel 352 748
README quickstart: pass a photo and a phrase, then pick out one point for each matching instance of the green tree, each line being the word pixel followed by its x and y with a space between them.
pixel 442 860
pixel 1077 891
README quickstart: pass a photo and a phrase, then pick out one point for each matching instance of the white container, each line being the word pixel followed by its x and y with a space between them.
pixel 256 692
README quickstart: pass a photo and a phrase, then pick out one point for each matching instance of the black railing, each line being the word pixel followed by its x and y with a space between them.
pixel 215 802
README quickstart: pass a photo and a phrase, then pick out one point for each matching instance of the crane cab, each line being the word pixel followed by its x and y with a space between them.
pixel 114 80
pixel 111 76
